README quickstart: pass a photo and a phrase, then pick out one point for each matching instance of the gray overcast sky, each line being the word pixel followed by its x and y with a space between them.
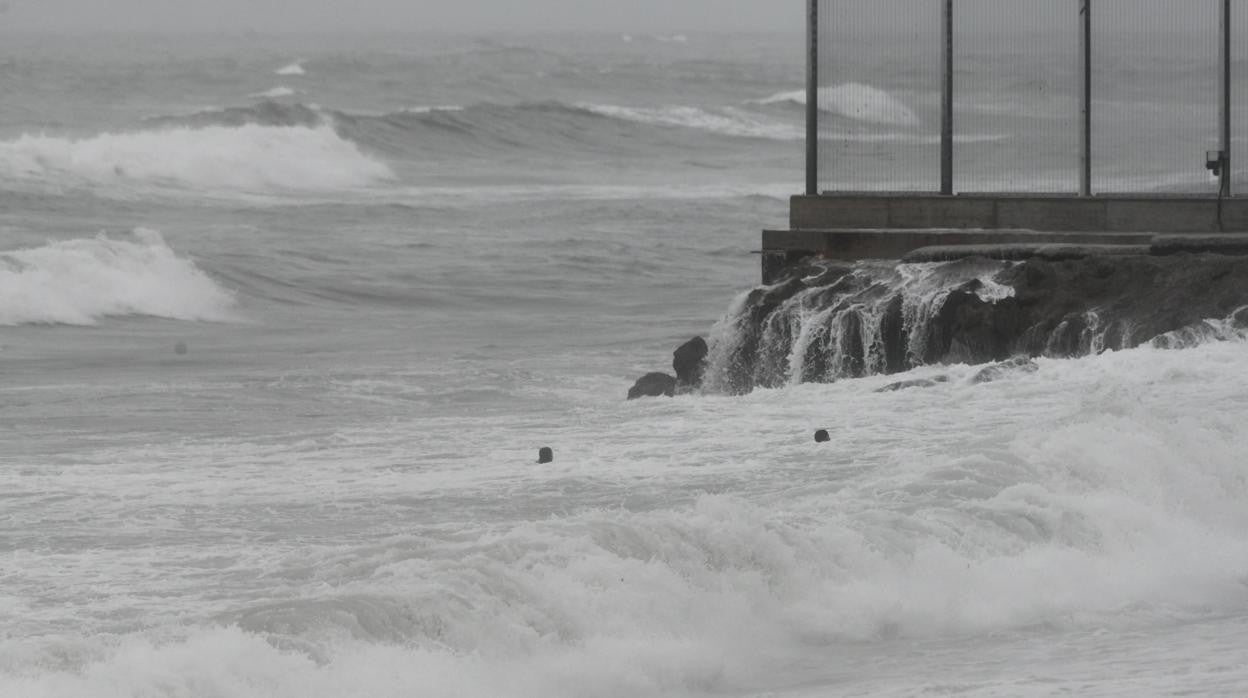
pixel 407 15
pixel 536 15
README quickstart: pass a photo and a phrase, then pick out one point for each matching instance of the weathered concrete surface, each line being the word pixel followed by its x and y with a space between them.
pixel 785 248
pixel 1119 213
pixel 1217 244
pixel 1020 251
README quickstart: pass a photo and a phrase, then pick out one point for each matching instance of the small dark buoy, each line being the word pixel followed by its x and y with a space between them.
pixel 545 455
pixel 179 348
pixel 821 436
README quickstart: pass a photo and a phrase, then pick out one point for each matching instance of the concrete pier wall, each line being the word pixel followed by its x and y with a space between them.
pixel 855 226
pixel 1123 213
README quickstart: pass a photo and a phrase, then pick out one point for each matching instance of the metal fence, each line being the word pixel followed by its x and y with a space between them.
pixel 1069 96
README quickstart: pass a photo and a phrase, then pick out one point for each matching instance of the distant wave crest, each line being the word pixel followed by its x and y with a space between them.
pixel 78 282
pixel 727 122
pixel 292 69
pixel 244 157
pixel 276 92
pixel 854 101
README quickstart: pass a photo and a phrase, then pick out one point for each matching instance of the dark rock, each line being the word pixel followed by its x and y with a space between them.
pixel 653 385
pixel 913 383
pixel 1018 364
pixel 844 320
pixel 1231 244
pixel 689 362
pixel 893 335
pixel 545 455
pixel 822 436
pixel 1239 318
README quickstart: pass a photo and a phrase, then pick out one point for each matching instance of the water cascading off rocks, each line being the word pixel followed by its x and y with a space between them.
pixel 829 320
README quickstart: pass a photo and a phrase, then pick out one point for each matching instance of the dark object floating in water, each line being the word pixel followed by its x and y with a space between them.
pixel 913 383
pixel 545 455
pixel 179 348
pixel 822 436
pixel 653 385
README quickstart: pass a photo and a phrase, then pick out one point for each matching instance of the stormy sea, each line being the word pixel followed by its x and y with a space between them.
pixel 285 320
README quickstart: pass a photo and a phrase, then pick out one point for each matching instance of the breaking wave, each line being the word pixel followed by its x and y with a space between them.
pixel 78 282
pixel 246 157
pixel 422 129
pixel 854 101
pixel 293 69
pixel 728 122
pixel 274 147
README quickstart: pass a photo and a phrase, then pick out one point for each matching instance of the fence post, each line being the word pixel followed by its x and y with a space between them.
pixel 1224 188
pixel 1085 98
pixel 812 98
pixel 946 99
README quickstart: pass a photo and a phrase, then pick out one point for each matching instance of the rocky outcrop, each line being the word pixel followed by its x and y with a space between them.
pixel 653 385
pixel 1015 366
pixel 915 383
pixel 833 320
pixel 689 362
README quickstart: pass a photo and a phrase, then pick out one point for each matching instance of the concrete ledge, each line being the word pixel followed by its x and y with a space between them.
pixel 1216 244
pixel 1116 213
pixel 1052 252
pixel 852 245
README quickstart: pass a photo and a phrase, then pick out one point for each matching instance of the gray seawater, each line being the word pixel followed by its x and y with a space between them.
pixel 283 322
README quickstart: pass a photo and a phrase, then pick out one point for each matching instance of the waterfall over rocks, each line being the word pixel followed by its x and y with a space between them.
pixel 831 320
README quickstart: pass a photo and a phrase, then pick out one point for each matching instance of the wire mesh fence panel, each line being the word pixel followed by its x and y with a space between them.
pixel 1016 100
pixel 1239 97
pixel 879 95
pixel 1155 95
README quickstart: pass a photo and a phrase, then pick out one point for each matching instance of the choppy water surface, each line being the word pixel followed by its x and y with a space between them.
pixel 283 323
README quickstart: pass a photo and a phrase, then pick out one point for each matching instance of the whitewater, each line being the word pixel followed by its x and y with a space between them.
pixel 280 349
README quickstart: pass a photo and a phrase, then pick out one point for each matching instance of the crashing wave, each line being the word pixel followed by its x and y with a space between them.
pixel 247 157
pixel 78 282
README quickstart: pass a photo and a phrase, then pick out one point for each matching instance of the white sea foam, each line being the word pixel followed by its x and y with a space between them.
pixel 728 122
pixel 276 92
pixel 854 101
pixel 295 68
pixel 250 158
pixel 429 109
pixel 78 282
pixel 1101 495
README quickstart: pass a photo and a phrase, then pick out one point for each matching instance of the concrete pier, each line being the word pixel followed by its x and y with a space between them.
pixel 854 226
